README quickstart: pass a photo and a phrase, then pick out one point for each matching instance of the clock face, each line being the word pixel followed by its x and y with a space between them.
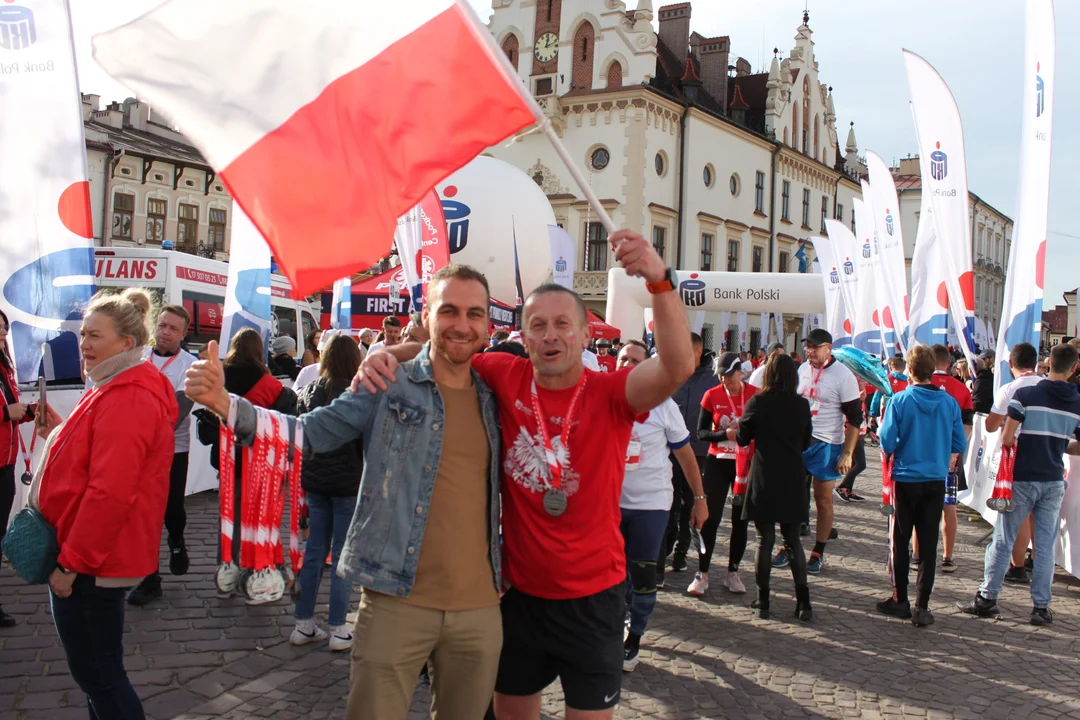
pixel 547 47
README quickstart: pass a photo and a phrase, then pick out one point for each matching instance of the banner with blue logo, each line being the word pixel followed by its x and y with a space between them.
pixel 940 134
pixel 893 264
pixel 846 251
pixel 562 256
pixel 1021 313
pixel 867 333
pixel 46 229
pixel 929 294
pixel 341 305
pixel 836 312
pixel 247 292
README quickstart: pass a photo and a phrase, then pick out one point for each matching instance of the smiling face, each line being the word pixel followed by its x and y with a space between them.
pixel 456 316
pixel 392 335
pixel 555 332
pixel 100 341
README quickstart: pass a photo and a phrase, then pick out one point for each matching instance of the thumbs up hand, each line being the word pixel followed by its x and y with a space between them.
pixel 205 382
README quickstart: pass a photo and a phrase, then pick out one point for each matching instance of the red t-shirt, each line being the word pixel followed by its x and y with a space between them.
pixel 725 411
pixel 957 390
pixel 580 552
pixel 607 363
pixel 898 384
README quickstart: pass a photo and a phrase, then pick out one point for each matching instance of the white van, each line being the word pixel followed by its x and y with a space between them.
pixel 177 278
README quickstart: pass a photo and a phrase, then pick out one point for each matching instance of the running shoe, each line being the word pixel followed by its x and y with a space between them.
pixel 699 586
pixel 1041 616
pixel 146 592
pixel 306 632
pixel 891 606
pixel 814 565
pixel 340 638
pixel 734 583
pixel 852 497
pixel 922 617
pixel 1017 576
pixel 630 652
pixel 781 559
pixel 948 566
pixel 178 558
pixel 842 493
pixel 980 607
pixel 678 562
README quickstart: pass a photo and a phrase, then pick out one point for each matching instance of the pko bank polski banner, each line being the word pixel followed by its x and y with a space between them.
pixel 793 293
pixel 46 232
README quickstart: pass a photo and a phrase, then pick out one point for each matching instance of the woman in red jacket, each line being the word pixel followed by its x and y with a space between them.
pixel 14 413
pixel 103 486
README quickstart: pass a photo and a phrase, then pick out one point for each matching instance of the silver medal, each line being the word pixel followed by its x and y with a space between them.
pixel 555 502
pixel 27 478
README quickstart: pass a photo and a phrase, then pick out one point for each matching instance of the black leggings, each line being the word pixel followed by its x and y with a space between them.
pixel 718 480
pixel 175 515
pixel 858 464
pixel 766 539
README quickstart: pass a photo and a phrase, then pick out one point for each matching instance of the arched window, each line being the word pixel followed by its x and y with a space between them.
pixel 614 75
pixel 805 136
pixel 582 72
pixel 510 47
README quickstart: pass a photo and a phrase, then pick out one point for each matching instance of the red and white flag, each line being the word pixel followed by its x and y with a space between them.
pixel 327 122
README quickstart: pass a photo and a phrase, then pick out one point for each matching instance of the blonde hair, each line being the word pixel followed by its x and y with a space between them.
pixel 129 311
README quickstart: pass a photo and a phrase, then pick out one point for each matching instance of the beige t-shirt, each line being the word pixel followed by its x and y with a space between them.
pixel 454 570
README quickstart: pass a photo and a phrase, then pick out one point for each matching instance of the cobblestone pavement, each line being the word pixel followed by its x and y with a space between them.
pixel 192 656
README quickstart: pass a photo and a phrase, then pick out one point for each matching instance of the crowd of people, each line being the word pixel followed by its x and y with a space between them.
pixel 510 504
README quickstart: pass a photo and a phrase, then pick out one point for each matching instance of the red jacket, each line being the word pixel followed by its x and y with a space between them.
pixel 106 480
pixel 9 431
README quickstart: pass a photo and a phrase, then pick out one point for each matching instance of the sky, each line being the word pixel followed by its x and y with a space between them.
pixel 976 45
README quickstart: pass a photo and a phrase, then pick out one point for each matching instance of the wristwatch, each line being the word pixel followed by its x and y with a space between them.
pixel 665 285
pixel 700 497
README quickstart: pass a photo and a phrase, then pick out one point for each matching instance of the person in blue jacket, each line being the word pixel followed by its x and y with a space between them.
pixel 923 434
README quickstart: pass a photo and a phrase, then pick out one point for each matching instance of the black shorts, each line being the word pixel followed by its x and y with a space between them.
pixel 579 641
pixel 961 476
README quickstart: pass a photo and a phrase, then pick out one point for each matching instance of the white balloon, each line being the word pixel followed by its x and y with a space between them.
pixel 487 203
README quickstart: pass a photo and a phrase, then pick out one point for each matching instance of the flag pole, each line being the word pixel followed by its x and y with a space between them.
pixel 543 122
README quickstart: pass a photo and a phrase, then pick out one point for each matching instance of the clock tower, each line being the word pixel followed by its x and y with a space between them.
pixel 546 37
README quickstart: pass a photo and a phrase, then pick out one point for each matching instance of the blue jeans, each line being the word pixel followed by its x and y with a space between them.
pixel 328 519
pixel 643 532
pixel 90 624
pixel 1043 500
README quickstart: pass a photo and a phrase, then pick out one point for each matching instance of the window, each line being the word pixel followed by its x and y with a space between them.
pixel 581 72
pixel 840 212
pixel 733 185
pixel 216 238
pixel 806 208
pixel 187 230
pixel 758 253
pixel 155 220
pixel 759 192
pixel 599 158
pixel 852 222
pixel 543 86
pixel 733 256
pixel 614 75
pixel 660 164
pixel 123 212
pixel 510 47
pixel 658 236
pixel 706 251
pixel 783 262
pixel 785 202
pixel 824 210
pixel 596 248
pixel 707 175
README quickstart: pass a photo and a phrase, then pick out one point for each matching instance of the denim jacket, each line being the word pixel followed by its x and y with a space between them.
pixel 403 436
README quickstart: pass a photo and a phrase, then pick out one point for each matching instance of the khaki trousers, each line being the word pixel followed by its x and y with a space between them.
pixel 391 643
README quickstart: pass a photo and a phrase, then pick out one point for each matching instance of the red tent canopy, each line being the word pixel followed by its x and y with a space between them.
pixel 601 329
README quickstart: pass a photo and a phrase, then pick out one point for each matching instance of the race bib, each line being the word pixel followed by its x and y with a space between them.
pixel 633 454
pixel 815 406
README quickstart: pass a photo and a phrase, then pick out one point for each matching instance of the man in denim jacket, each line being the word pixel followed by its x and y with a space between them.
pixel 424 542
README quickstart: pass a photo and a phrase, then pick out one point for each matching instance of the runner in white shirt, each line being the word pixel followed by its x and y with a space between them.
pixel 837 413
pixel 757 378
pixel 646 500
pixel 166 356
pixel 1023 359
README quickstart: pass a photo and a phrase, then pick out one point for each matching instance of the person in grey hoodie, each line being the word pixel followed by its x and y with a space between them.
pixel 688 398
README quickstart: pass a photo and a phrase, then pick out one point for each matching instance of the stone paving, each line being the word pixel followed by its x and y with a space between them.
pixel 192 656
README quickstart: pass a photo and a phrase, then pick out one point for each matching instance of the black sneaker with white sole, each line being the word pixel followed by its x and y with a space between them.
pixel 630 652
pixel 1041 616
pixel 146 592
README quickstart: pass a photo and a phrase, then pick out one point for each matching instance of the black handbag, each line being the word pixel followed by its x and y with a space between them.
pixel 30 546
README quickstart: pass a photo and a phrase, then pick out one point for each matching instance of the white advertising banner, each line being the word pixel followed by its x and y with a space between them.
pixel 46 229
pixel 941 141
pixel 929 296
pixel 741 321
pixel 867 335
pixel 847 251
pixel 764 325
pixel 779 327
pixel 341 305
pixel 247 291
pixel 562 256
pixel 886 208
pixel 1021 315
pixel 835 306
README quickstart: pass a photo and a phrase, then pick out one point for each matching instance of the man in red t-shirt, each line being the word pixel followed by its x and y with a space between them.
pixel 604 357
pixel 959 392
pixel 563 553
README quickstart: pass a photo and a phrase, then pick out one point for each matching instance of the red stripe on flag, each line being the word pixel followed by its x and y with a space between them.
pixel 326 188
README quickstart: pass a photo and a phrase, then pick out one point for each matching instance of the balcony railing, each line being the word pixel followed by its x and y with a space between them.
pixel 590 283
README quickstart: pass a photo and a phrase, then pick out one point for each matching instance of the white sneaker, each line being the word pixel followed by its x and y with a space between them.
pixel 734 583
pixel 306 632
pixel 340 638
pixel 700 585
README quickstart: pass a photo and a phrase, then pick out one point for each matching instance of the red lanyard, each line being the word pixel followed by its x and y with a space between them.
pixel 815 380
pixel 564 437
pixel 22 447
pixel 167 362
pixel 731 403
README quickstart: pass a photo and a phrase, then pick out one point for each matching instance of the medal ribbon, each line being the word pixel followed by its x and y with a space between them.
pixel 564 437
pixel 22 448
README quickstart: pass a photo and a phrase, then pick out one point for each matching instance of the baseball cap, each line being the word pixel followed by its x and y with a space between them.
pixel 987 354
pixel 818 336
pixel 728 363
pixel 773 347
pixel 603 342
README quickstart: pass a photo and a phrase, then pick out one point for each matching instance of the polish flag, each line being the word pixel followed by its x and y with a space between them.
pixel 326 121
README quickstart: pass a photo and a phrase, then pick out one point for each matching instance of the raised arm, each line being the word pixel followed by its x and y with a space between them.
pixel 656 379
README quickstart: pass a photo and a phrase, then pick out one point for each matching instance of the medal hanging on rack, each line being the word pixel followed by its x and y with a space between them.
pixel 555 499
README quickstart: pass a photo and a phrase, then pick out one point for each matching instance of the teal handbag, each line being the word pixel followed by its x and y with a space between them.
pixel 30 546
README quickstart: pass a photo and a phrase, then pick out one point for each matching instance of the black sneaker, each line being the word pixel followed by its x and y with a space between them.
pixel 922 617
pixel 6 620
pixel 1041 616
pixel 948 566
pixel 891 606
pixel 1017 576
pixel 630 652
pixel 804 530
pixel 980 607
pixel 678 562
pixel 852 497
pixel 147 591
pixel 178 559
pixel 834 535
pixel 843 493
